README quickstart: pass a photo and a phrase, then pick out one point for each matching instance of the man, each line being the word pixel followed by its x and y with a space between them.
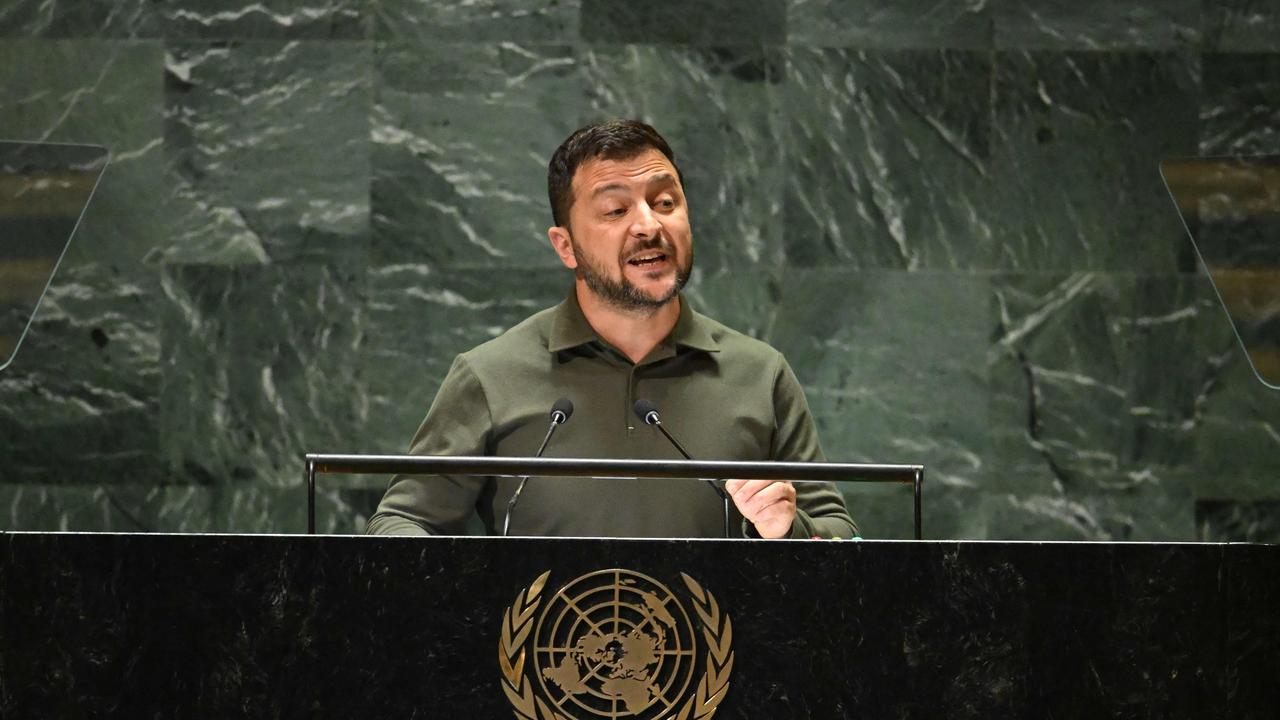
pixel 624 333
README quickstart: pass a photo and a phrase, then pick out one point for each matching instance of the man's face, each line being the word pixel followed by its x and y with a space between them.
pixel 628 236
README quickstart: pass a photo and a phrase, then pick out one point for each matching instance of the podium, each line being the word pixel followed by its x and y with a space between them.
pixel 109 625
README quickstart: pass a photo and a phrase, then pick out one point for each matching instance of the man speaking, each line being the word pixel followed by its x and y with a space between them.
pixel 624 335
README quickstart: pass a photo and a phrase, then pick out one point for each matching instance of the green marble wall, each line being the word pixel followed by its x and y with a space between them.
pixel 948 216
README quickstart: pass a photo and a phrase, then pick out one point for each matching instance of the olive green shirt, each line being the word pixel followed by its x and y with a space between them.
pixel 724 395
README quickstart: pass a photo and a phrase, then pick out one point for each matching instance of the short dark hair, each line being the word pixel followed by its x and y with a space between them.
pixel 608 140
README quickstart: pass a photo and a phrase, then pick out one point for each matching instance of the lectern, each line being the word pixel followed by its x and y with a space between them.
pixel 103 625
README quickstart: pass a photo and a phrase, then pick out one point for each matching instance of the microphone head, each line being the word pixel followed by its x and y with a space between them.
pixel 646 411
pixel 563 408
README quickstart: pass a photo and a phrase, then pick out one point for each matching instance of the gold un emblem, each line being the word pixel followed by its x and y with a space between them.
pixel 614 644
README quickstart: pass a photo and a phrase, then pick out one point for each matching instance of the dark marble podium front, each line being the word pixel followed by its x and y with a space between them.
pixel 95 625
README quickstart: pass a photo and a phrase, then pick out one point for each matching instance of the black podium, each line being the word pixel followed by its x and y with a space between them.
pixel 103 625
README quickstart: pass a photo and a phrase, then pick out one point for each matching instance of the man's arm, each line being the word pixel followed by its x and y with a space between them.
pixel 820 508
pixel 458 423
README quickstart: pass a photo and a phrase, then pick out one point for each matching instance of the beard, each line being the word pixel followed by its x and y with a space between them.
pixel 623 294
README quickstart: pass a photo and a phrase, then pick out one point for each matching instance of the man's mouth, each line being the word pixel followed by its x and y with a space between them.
pixel 647 259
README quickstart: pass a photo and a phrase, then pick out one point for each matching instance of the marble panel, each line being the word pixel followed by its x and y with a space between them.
pixel 283 510
pixel 418 319
pixel 104 93
pixel 711 22
pixel 349 509
pixel 872 25
pixel 888 159
pixel 1096 24
pixel 528 22
pixel 745 300
pixel 1239 113
pixel 1238 436
pixel 947 511
pixel 261 366
pixel 78 404
pixel 267 151
pixel 1077 143
pixel 1163 510
pixel 950 512
pixel 264 19
pixel 107 508
pixel 986 670
pixel 218 508
pixel 1253 631
pixel 462 135
pixel 1252 521
pixel 1166 664
pixel 220 19
pixel 1098 382
pixel 717 109
pixel 1242 25
pixel 41 18
pixel 891 364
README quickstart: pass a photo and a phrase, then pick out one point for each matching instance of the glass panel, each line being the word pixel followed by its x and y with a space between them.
pixel 44 190
pixel 1231 207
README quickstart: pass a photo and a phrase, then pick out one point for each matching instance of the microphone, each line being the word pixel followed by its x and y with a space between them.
pixel 648 412
pixel 561 411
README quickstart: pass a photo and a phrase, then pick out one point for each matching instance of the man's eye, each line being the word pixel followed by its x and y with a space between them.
pixel 666 203
pixel 616 212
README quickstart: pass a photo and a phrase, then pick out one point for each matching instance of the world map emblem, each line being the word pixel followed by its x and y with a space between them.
pixel 615 644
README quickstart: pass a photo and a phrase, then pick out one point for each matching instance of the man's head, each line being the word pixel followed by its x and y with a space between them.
pixel 622 225
pixel 609 140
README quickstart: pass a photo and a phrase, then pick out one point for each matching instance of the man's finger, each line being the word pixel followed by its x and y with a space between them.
pixel 754 495
pixel 774 519
pixel 775 493
pixel 743 490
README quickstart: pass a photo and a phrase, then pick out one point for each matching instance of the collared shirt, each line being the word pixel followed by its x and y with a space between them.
pixel 724 395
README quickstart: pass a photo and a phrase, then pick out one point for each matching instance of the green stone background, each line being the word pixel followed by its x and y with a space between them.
pixel 947 214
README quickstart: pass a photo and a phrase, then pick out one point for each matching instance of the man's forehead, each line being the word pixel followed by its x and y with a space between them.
pixel 647 166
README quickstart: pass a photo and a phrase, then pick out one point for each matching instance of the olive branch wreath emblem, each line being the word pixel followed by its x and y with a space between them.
pixel 517 622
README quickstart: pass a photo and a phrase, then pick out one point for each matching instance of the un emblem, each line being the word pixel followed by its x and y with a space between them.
pixel 614 644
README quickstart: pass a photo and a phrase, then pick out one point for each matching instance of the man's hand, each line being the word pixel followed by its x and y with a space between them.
pixel 770 505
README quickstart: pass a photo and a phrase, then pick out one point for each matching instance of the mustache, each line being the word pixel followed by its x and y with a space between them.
pixel 657 243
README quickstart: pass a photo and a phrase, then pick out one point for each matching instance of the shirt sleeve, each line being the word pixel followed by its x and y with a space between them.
pixel 458 423
pixel 820 508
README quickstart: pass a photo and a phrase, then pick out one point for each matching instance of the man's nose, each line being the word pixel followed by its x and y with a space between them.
pixel 646 223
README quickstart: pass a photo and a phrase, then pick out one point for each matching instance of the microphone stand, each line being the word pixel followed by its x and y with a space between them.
pixel 557 418
pixel 652 418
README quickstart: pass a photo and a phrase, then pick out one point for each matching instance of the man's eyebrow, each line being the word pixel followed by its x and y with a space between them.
pixel 659 179
pixel 611 187
pixel 662 179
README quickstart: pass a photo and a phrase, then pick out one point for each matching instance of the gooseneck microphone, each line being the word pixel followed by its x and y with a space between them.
pixel 647 412
pixel 561 411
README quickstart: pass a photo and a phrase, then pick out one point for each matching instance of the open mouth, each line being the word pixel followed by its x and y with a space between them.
pixel 647 259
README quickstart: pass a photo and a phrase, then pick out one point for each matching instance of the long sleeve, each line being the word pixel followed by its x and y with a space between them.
pixel 820 506
pixel 458 423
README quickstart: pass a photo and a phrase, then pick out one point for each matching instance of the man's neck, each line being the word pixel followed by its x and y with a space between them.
pixel 636 334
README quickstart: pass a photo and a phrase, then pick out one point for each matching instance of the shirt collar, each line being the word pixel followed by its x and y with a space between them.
pixel 569 328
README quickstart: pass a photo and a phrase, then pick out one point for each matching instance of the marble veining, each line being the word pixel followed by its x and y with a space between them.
pixel 949 216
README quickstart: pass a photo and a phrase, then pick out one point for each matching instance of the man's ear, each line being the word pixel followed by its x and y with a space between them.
pixel 563 245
